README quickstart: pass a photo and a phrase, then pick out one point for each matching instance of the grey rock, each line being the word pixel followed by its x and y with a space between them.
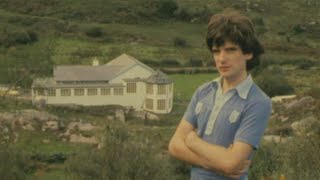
pixel 300 103
pixel 119 115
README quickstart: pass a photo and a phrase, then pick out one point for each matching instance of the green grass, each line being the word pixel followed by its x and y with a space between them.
pixel 186 84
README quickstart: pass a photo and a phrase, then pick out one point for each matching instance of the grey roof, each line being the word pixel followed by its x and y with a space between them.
pixel 96 73
pixel 159 78
pixel 86 73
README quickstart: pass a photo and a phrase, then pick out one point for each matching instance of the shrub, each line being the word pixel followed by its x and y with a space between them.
pixel 273 82
pixel 306 64
pixel 123 156
pixel 179 42
pixel 170 62
pixel 195 62
pixel 314 91
pixel 167 8
pixel 14 164
pixel 94 32
pixel 151 63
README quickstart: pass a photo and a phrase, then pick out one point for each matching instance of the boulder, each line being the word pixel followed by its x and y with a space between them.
pixel 119 115
pixel 51 125
pixel 275 138
pixel 300 103
pixel 307 126
pixel 139 114
pixel 153 117
pixel 86 127
pixel 81 139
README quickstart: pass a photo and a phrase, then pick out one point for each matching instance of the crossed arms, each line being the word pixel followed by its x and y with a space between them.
pixel 187 146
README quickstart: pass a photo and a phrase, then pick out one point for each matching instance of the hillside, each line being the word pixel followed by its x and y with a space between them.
pixel 88 143
pixel 35 35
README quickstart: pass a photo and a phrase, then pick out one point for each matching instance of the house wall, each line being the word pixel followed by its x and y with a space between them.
pixel 127 99
pixel 155 96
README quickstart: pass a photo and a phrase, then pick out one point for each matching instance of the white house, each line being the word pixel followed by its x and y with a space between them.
pixel 123 81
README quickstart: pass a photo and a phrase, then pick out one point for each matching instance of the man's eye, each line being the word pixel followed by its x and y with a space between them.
pixel 215 50
pixel 231 49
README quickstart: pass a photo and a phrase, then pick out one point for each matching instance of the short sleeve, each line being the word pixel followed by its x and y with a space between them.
pixel 254 122
pixel 190 114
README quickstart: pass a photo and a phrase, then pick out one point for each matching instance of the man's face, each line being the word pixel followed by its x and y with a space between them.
pixel 230 60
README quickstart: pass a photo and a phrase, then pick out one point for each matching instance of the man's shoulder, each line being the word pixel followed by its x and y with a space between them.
pixel 205 88
pixel 258 95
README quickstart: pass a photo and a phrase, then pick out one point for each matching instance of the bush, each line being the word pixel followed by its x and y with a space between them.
pixel 179 42
pixel 14 164
pixel 314 91
pixel 167 8
pixel 306 64
pixel 94 32
pixel 273 83
pixel 123 156
pixel 151 63
pixel 170 63
pixel 194 62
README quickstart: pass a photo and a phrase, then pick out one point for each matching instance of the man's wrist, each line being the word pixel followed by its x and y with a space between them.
pixel 191 139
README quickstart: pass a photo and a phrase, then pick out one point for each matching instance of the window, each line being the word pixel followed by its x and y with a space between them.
pixel 118 91
pixel 105 91
pixel 161 104
pixel 170 103
pixel 65 92
pixel 170 88
pixel 131 87
pixel 51 92
pixel 161 89
pixel 40 92
pixel 149 104
pixel 92 92
pixel 79 92
pixel 149 88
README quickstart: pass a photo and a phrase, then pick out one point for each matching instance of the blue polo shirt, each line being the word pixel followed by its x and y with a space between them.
pixel 241 114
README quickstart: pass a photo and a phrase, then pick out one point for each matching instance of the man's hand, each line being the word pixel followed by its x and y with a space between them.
pixel 193 137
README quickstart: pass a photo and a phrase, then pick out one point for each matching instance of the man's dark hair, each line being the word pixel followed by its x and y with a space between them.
pixel 234 27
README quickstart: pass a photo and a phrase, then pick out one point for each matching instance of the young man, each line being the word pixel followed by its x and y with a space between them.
pixel 226 117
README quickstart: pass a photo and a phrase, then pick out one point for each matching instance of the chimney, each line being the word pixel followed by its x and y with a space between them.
pixel 95 62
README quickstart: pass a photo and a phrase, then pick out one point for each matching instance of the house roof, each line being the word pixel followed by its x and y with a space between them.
pixel 159 78
pixel 86 73
pixel 97 73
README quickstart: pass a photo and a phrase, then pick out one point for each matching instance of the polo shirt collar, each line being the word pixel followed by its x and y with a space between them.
pixel 243 88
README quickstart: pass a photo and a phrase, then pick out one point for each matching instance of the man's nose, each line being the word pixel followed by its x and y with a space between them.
pixel 222 56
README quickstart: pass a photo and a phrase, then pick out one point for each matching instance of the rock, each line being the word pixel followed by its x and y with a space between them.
pixel 46 141
pixel 86 127
pixel 282 98
pixel 80 139
pixel 275 139
pixel 153 117
pixel 51 125
pixel 119 115
pixel 28 127
pixel 307 126
pixel 283 118
pixel 31 114
pixel 301 103
pixel 139 114
pixel 110 118
pixel 7 116
pixel 284 130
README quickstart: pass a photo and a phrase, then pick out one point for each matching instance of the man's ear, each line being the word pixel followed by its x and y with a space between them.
pixel 248 56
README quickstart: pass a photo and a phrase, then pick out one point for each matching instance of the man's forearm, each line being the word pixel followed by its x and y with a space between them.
pixel 179 150
pixel 220 158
